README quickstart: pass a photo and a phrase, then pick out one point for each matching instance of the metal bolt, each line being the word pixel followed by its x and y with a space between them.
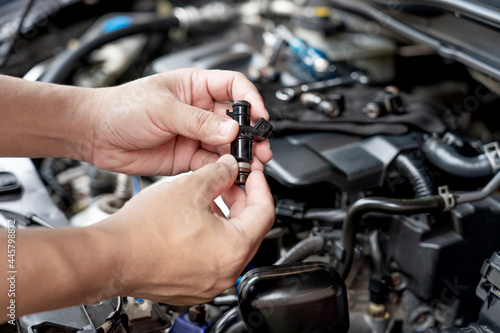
pixel 371 110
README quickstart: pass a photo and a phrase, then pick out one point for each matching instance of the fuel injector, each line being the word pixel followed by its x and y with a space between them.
pixel 241 147
pixel 331 105
pixel 386 101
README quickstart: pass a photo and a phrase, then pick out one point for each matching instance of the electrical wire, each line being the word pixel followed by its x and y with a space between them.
pixel 17 35
pixel 113 319
pixel 136 184
pixel 302 250
pixel 31 218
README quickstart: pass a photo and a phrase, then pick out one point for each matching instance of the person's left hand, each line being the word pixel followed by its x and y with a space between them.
pixel 170 123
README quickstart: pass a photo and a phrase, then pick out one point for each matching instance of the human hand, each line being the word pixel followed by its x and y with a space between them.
pixel 170 123
pixel 178 247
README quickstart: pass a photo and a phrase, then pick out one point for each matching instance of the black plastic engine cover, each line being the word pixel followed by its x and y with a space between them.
pixel 345 161
pixel 293 298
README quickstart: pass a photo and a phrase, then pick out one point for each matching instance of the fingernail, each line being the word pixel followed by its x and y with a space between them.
pixel 225 128
pixel 227 159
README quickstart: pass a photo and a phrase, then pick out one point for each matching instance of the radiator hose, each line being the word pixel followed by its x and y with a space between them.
pixel 448 159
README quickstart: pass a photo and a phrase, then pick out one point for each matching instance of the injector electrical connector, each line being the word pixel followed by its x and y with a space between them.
pixel 241 147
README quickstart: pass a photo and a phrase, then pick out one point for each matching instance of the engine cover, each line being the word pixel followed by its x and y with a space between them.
pixel 345 161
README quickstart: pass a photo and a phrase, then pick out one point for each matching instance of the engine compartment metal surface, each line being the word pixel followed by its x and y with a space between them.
pixel 415 118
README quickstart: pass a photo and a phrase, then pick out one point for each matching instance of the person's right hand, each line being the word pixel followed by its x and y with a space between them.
pixel 178 248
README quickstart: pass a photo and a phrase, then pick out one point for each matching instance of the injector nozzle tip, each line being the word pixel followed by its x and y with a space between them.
pixel 243 172
pixel 241 179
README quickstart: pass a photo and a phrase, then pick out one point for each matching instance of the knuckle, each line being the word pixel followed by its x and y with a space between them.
pixel 155 81
pixel 224 170
pixel 235 260
pixel 240 76
pixel 207 184
pixel 200 123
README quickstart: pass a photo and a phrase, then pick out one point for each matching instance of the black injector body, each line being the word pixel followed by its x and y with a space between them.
pixel 241 147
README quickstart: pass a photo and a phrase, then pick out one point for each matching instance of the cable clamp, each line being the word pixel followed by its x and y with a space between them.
pixel 339 251
pixel 451 140
pixel 492 152
pixel 449 198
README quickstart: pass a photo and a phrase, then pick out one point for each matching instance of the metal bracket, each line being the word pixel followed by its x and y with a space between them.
pixel 449 198
pixel 492 152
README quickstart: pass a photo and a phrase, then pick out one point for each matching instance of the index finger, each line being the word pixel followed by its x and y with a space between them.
pixel 220 85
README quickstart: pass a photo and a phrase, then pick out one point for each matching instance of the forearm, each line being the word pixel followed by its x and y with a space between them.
pixel 41 120
pixel 56 268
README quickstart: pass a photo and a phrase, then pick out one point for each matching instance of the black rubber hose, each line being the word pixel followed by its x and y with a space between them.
pixel 381 205
pixel 329 216
pixel 64 64
pixel 10 44
pixel 230 322
pixel 448 159
pixel 302 250
pixel 48 175
pixel 413 169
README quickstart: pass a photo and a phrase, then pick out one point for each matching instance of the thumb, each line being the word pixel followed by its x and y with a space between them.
pixel 212 180
pixel 199 124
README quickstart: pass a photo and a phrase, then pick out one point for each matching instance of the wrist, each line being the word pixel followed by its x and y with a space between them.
pixel 79 135
pixel 108 247
pixel 45 120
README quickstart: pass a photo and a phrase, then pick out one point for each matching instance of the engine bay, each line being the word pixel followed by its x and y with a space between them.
pixel 385 156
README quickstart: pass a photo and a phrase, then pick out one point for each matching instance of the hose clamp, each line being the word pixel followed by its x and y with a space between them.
pixel 492 152
pixel 448 198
